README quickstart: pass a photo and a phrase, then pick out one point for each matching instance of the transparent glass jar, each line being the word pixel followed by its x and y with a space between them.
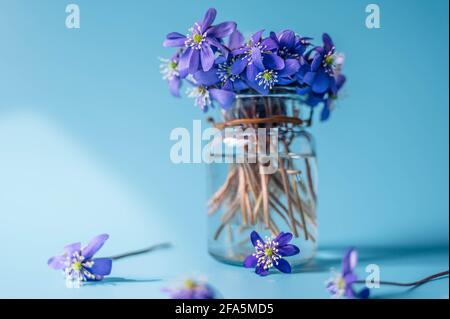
pixel 262 183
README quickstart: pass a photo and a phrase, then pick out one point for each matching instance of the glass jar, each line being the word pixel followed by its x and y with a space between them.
pixel 265 182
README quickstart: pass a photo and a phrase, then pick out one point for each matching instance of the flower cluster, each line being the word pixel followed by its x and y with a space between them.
pixel 219 69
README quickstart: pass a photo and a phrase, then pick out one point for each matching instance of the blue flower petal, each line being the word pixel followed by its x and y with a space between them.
pixel 70 249
pixel 250 262
pixel 174 39
pixel 94 245
pixel 309 78
pixel 256 37
pixel 317 62
pixel 224 97
pixel 207 78
pixel 209 18
pixel 283 238
pixel 222 30
pixel 287 39
pixel 274 62
pixel 288 250
pixel 349 261
pixel 254 237
pixel 321 82
pixel 291 66
pixel 57 262
pixel 101 267
pixel 363 293
pixel 194 61
pixel 174 86
pixel 236 40
pixel 325 114
pixel 283 266
pixel 261 271
pixel 183 64
pixel 238 66
pixel 327 42
pixel 207 57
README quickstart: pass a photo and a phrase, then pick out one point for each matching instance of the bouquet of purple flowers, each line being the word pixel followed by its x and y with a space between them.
pixel 218 70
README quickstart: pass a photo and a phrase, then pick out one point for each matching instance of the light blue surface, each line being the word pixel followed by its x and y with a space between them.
pixel 84 146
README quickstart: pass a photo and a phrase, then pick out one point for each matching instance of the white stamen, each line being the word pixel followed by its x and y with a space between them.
pixel 267 78
pixel 201 96
pixel 169 69
pixel 196 30
pixel 267 253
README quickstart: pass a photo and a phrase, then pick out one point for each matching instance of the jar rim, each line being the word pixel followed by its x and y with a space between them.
pixel 281 91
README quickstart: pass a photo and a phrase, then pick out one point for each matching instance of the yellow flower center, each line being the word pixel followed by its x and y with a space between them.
pixel 190 284
pixel 173 65
pixel 340 283
pixel 202 90
pixel 77 266
pixel 267 76
pixel 268 252
pixel 329 60
pixel 197 38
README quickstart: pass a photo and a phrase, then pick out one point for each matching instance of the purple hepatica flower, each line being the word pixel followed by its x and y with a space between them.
pixel 170 73
pixel 79 265
pixel 329 102
pixel 341 284
pixel 222 75
pixel 290 45
pixel 193 290
pixel 321 77
pixel 200 44
pixel 267 79
pixel 204 97
pixel 270 253
pixel 256 56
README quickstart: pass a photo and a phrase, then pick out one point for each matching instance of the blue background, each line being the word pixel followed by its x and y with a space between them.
pixel 84 145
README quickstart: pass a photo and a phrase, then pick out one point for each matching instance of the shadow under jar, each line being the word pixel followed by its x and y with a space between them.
pixel 265 182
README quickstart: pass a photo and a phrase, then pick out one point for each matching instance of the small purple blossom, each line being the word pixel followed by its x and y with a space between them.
pixel 171 73
pixel 192 289
pixel 290 45
pixel 255 57
pixel 341 284
pixel 270 252
pixel 329 102
pixel 321 77
pixel 79 265
pixel 200 44
pixel 204 96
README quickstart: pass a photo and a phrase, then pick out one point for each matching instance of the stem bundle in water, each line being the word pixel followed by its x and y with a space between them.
pixel 283 200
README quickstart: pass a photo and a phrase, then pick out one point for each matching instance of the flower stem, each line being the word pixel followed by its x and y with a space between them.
pixel 141 251
pixel 409 284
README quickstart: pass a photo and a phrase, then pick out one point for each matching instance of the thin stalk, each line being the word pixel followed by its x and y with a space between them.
pixel 141 251
pixel 409 284
pixel 287 190
pixel 302 213
pixel 264 181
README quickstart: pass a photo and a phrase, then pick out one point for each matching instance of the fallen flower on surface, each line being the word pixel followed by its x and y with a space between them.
pixel 192 289
pixel 79 264
pixel 269 253
pixel 340 285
